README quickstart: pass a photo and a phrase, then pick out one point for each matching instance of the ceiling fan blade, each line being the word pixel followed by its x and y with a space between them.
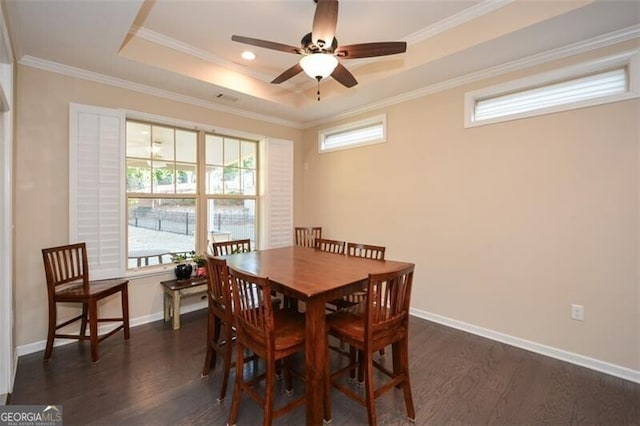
pixel 267 44
pixel 325 20
pixel 294 70
pixel 344 76
pixel 368 50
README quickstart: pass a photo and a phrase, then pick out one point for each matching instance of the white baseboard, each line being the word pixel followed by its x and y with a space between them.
pixel 573 358
pixel 40 345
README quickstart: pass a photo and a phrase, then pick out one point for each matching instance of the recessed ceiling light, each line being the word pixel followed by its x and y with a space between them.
pixel 249 56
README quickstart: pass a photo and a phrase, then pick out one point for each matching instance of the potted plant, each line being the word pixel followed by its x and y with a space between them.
pixel 201 263
pixel 183 268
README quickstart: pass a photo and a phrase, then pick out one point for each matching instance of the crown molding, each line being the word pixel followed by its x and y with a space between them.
pixel 605 40
pixel 190 50
pixel 70 71
pixel 458 19
pixel 443 25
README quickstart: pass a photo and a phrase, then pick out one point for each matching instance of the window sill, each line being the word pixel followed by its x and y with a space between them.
pixel 153 271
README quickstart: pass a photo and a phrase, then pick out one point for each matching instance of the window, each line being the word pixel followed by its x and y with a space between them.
pixel 161 182
pixel 601 81
pixel 363 132
pixel 231 188
pixel 140 189
pixel 162 186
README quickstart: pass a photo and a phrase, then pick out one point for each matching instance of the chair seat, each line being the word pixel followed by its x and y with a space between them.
pixel 349 324
pixel 289 329
pixel 99 288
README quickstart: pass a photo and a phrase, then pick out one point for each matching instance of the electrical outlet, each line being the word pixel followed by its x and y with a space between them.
pixel 577 312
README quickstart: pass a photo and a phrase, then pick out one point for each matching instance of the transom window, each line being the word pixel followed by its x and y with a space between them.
pixel 600 81
pixel 372 130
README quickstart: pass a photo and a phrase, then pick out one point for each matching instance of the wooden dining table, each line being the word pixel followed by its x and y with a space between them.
pixel 313 277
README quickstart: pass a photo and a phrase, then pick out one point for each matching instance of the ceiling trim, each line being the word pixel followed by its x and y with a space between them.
pixel 188 49
pixel 614 37
pixel 605 40
pixel 448 23
pixel 456 20
pixel 70 71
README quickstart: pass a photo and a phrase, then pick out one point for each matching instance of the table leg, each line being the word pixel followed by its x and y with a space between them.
pixel 315 360
pixel 167 306
pixel 176 310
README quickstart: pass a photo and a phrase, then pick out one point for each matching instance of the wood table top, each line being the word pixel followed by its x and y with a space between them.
pixel 308 271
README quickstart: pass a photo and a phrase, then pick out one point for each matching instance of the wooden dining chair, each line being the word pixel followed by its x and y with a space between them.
pixel 271 335
pixel 382 320
pixel 67 274
pixel 330 246
pixel 306 237
pixel 357 250
pixel 221 317
pixel 224 248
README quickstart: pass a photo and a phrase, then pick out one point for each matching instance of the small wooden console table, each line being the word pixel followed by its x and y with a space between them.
pixel 174 290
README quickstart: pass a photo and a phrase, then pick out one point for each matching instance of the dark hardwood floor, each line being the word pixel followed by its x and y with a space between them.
pixel 457 378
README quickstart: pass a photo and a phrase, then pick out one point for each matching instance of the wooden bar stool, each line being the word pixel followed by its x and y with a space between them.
pixel 382 320
pixel 67 273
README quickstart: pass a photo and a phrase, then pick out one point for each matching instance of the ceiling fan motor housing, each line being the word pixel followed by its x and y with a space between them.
pixel 310 47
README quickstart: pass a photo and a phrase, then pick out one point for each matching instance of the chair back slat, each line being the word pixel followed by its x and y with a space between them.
pixel 218 282
pixel 330 246
pixel 389 297
pixel 366 251
pixel 306 237
pixel 224 248
pixel 66 264
pixel 252 307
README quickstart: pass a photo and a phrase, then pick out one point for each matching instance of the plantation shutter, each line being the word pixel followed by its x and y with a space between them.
pixel 96 187
pixel 277 193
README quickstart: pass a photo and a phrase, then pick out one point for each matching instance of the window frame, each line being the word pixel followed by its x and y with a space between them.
pixel 210 196
pixel 629 60
pixel 200 195
pixel 365 123
pixel 274 227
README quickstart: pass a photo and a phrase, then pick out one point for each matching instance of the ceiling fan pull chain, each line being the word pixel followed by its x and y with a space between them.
pixel 318 92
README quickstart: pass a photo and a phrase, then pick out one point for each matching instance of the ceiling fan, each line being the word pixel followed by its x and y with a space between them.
pixel 321 51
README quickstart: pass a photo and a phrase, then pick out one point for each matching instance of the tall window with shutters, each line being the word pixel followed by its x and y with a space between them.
pixel 140 190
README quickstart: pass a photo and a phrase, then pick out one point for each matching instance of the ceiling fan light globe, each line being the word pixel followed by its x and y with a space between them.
pixel 318 65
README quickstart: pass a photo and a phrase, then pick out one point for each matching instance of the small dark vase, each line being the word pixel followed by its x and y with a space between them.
pixel 183 271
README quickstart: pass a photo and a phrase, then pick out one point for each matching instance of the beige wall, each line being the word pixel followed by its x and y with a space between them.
pixel 41 169
pixel 508 224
